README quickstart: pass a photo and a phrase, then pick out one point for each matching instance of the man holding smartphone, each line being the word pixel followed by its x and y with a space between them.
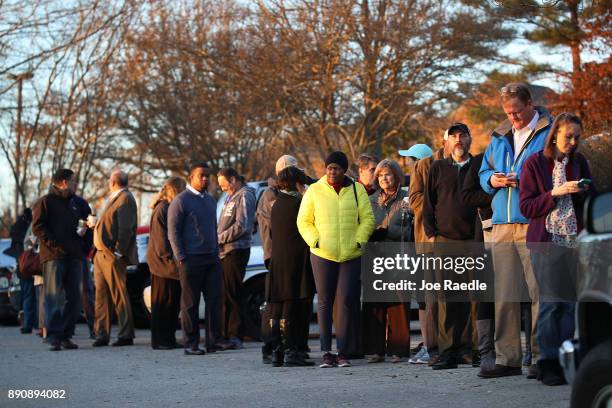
pixel 512 142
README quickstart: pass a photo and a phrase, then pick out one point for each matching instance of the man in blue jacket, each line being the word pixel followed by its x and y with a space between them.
pixel 515 139
pixel 192 232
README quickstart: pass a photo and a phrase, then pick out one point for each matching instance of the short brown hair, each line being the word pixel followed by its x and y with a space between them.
pixel 516 90
pixel 395 168
pixel 364 159
pixel 289 177
pixel 551 139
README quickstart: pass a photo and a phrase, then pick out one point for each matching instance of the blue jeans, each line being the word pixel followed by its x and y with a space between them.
pixel 87 294
pixel 555 324
pixel 62 297
pixel 28 303
pixel 555 269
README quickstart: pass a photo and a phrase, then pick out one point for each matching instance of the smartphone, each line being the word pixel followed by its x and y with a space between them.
pixel 499 174
pixel 583 183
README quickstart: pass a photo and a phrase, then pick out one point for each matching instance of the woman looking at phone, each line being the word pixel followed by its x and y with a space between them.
pixel 553 189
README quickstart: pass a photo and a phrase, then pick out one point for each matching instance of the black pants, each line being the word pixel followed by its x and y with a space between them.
pixel 337 282
pixel 296 313
pixel 204 277
pixel 165 307
pixel 234 267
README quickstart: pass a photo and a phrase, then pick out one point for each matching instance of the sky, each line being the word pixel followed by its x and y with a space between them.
pixel 559 58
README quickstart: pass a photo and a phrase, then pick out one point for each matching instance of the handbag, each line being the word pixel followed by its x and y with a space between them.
pixel 29 264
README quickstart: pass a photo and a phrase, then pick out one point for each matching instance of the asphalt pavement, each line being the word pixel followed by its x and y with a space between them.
pixel 138 376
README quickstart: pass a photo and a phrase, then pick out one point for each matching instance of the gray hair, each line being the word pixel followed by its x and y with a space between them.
pixel 395 169
pixel 120 177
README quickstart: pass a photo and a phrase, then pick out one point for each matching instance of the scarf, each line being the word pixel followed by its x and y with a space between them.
pixel 561 222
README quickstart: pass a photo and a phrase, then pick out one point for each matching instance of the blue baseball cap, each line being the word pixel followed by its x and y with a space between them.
pixel 419 150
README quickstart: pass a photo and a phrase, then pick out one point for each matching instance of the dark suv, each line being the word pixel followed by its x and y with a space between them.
pixel 587 360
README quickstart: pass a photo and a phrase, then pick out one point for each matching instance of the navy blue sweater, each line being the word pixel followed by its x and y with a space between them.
pixel 192 226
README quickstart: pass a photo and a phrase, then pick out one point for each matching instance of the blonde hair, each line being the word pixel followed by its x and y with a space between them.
pixel 171 188
pixel 395 168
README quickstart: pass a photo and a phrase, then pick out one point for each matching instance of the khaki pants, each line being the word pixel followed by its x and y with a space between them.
pixel 512 268
pixel 111 289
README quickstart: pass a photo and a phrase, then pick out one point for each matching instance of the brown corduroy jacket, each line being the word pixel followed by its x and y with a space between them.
pixel 416 197
pixel 116 228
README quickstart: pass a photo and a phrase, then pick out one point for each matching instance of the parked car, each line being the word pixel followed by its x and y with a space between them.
pixel 10 290
pixel 587 360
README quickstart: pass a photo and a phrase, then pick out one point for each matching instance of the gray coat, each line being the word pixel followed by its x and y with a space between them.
pixel 236 221
pixel 264 212
pixel 389 215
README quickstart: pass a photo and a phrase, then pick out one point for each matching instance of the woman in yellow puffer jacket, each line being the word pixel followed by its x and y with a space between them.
pixel 336 220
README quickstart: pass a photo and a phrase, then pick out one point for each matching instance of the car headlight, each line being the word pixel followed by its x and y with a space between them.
pixel 4 282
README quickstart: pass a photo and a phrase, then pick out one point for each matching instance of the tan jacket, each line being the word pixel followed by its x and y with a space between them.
pixel 116 228
pixel 416 197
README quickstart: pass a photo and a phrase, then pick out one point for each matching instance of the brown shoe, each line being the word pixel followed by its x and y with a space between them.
pixel 534 372
pixel 500 371
pixel 434 360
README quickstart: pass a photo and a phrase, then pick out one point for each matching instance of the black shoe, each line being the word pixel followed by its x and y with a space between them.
pixel 55 346
pixel 266 356
pixel 69 345
pixel 163 347
pixel 194 352
pixel 225 345
pixel 475 359
pixel 551 372
pixel 278 357
pixel 534 372
pixel 100 343
pixel 294 359
pixel 500 371
pixel 123 342
pixel 177 345
pixel 445 364
pixel 23 330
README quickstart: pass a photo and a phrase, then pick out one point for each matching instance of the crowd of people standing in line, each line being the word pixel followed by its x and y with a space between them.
pixel 522 190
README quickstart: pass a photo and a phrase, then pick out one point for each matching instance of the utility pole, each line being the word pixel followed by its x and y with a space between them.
pixel 19 78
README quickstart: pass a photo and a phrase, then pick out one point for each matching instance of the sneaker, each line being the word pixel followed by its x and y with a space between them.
pixel 343 361
pixel 421 357
pixel 418 348
pixel 329 360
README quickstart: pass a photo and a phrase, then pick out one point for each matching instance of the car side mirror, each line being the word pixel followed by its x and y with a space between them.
pixel 598 214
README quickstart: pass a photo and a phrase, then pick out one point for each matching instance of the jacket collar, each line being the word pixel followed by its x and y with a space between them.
pixel 347 181
pixel 505 127
pixel 65 194
pixel 439 154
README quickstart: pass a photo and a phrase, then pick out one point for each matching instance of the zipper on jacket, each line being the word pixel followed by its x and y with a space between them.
pixel 509 188
pixel 515 161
